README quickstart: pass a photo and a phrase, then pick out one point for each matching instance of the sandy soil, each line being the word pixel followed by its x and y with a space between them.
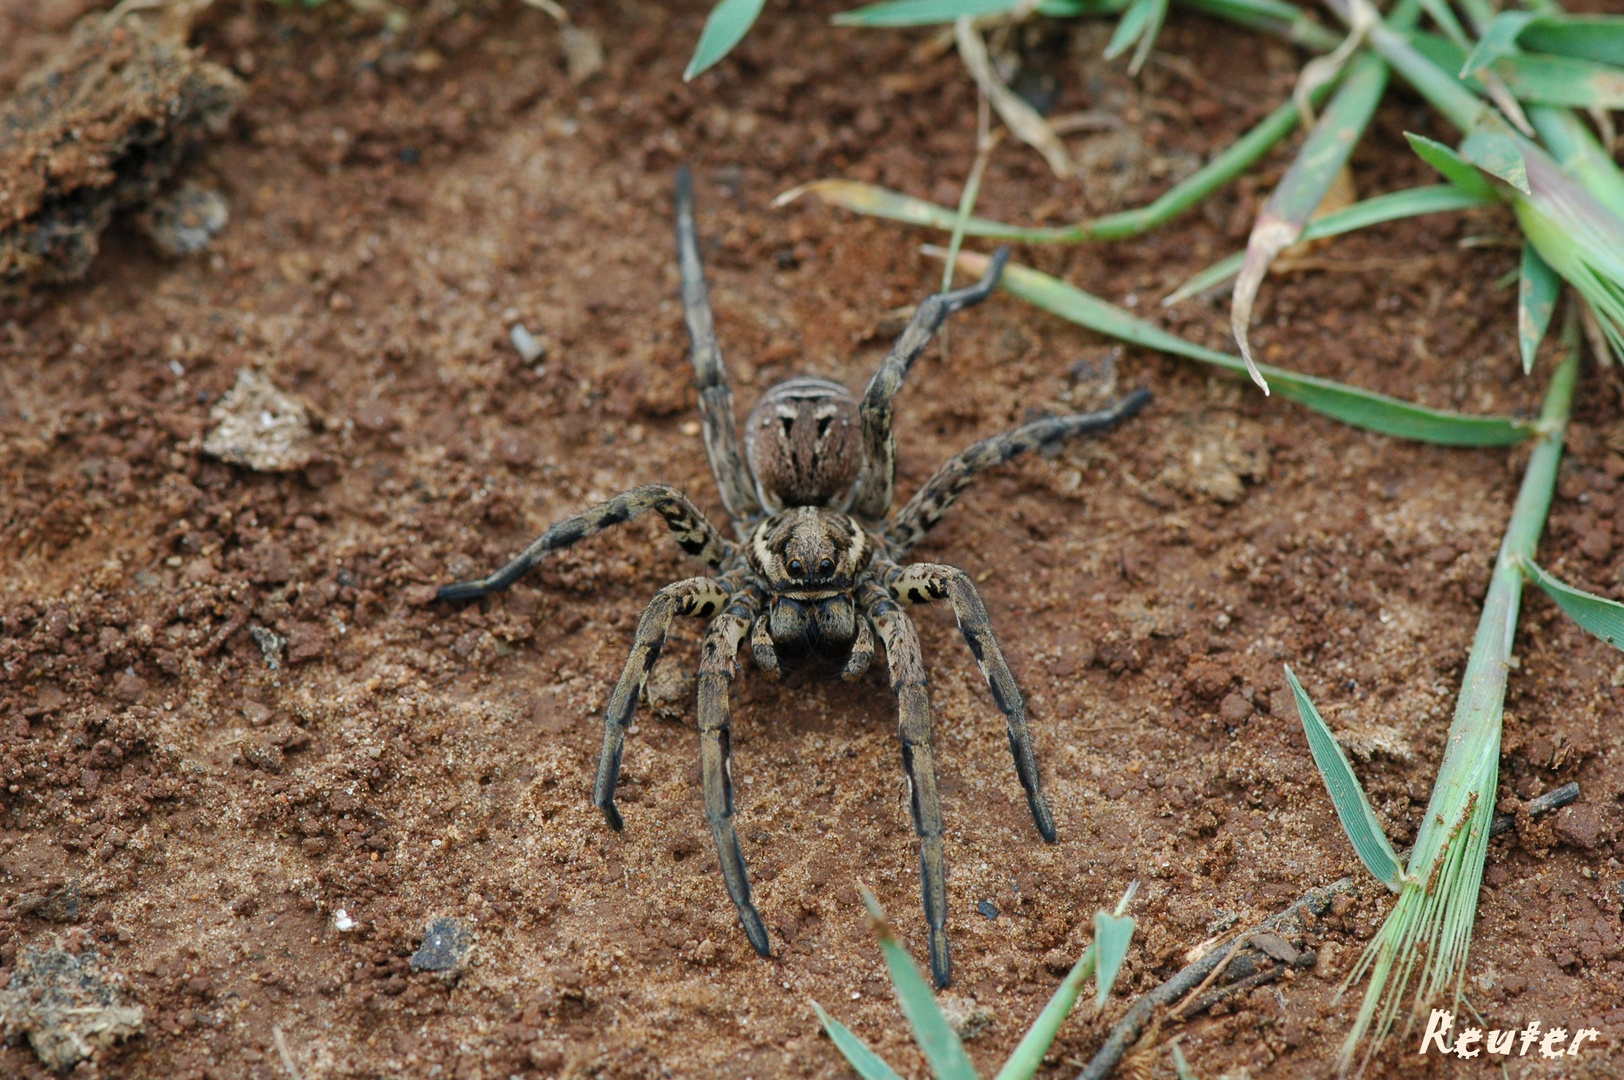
pixel 398 202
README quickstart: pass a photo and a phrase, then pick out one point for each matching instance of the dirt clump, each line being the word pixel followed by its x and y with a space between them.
pixel 65 1006
pixel 99 128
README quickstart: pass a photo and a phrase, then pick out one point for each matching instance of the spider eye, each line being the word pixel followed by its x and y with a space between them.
pixel 795 568
pixel 827 566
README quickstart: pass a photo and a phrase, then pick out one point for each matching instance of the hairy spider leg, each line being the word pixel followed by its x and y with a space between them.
pixel 697 597
pixel 718 664
pixel 715 399
pixel 907 668
pixel 878 474
pixel 922 583
pixel 932 501
pixel 696 535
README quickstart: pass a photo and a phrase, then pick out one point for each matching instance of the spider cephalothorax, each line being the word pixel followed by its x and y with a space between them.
pixel 819 573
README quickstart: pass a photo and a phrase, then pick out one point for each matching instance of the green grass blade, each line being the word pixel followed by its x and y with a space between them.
pixel 725 27
pixel 1458 104
pixel 1597 614
pixel 1147 40
pixel 1129 27
pixel 1287 21
pixel 1301 190
pixel 1579 237
pixel 1393 206
pixel 1500 39
pixel 1581 154
pixel 1537 289
pixel 1361 408
pixel 1112 935
pixel 1583 37
pixel 1454 168
pixel 1347 795
pixel 1181 1066
pixel 1140 23
pixel 922 12
pixel 1444 16
pixel 1492 147
pixel 1562 80
pixel 1428 932
pixel 935 1036
pixel 1028 1055
pixel 869 1065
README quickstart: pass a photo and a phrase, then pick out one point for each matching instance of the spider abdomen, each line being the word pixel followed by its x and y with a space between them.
pixel 802 444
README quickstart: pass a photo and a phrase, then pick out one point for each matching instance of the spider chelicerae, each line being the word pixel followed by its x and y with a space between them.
pixel 818 571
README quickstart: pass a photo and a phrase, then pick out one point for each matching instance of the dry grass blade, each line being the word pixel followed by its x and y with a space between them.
pixel 1225 166
pixel 1303 188
pixel 1021 119
pixel 1324 70
pixel 1393 206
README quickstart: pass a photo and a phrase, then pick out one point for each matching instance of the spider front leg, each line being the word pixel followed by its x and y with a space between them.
pixel 878 474
pixel 699 597
pixel 903 657
pixel 718 664
pixel 926 508
pixel 697 536
pixel 715 399
pixel 922 583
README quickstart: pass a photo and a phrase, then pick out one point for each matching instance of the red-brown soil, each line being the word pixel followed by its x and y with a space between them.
pixel 397 201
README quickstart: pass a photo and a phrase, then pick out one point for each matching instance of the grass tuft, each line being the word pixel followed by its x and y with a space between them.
pixel 936 1038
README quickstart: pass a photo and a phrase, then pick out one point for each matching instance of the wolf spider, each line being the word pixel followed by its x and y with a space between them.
pixel 818 571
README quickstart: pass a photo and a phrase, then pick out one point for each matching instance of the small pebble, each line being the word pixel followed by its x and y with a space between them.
pixel 183 221
pixel 342 921
pixel 259 427
pixel 987 908
pixel 531 348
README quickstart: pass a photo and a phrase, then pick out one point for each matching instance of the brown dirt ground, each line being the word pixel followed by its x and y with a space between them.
pixel 397 201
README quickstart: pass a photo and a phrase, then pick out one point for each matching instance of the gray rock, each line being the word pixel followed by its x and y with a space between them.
pixel 447 943
pixel 61 904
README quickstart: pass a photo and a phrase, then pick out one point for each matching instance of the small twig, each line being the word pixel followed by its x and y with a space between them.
pixel 1194 977
pixel 287 1058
